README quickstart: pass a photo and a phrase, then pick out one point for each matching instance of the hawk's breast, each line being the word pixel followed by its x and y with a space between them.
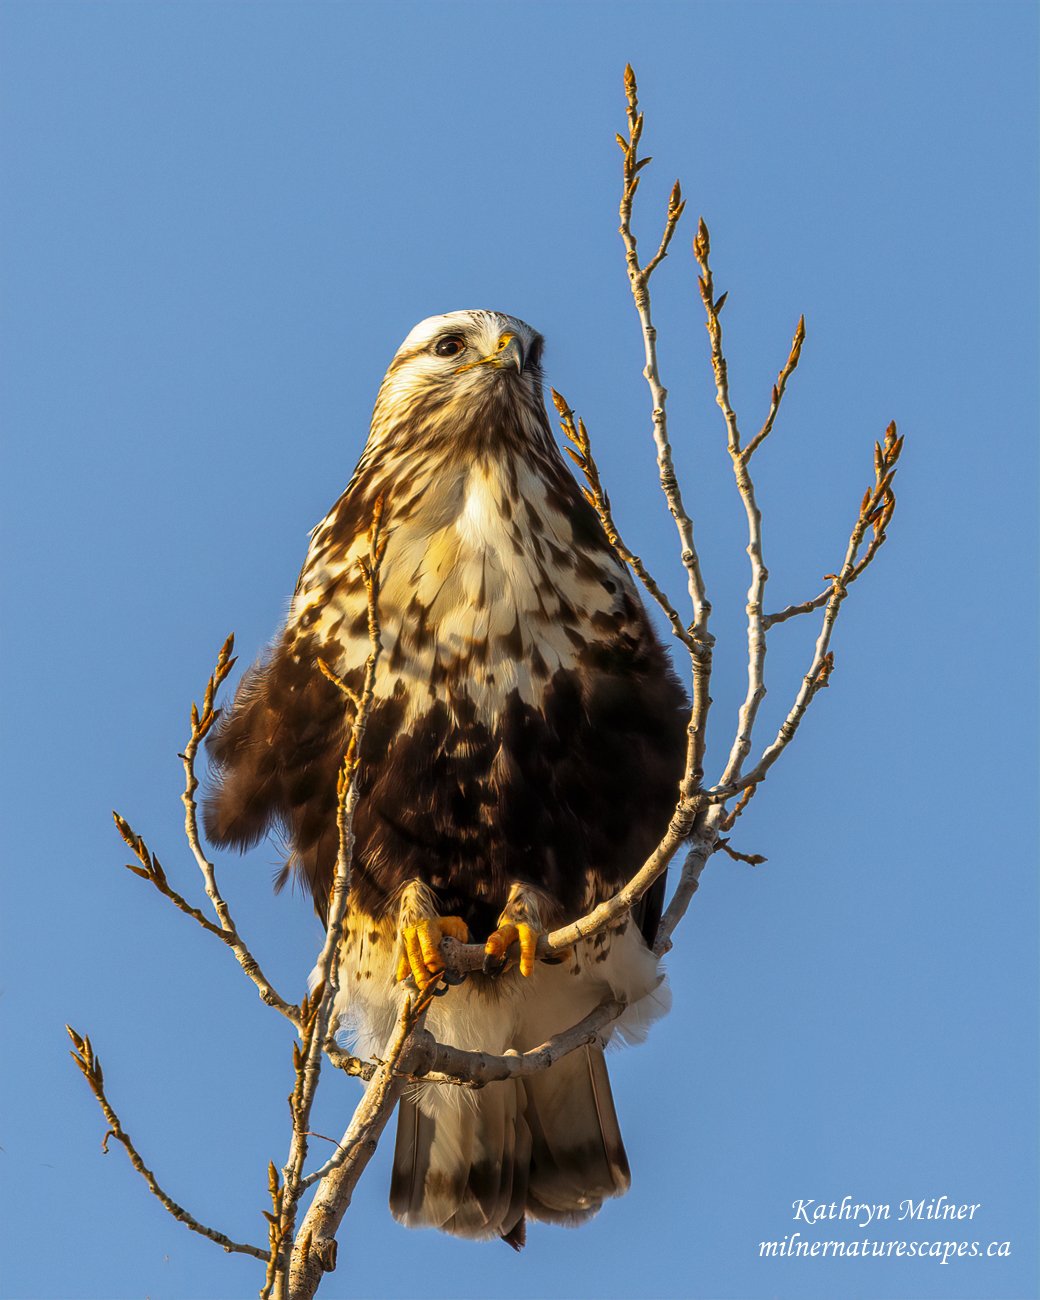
pixel 486 591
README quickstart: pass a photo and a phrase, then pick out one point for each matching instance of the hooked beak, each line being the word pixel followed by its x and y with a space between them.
pixel 508 353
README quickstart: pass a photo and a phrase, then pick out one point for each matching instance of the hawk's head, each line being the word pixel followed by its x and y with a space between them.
pixel 462 376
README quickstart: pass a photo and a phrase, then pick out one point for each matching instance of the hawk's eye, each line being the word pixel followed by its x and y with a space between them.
pixel 450 346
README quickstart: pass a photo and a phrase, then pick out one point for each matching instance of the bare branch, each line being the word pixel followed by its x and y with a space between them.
pixel 315 1251
pixel 702 846
pixel 439 1063
pixel 874 545
pixel 676 204
pixel 756 631
pixel 408 1021
pixel 315 1014
pixel 752 859
pixel 90 1066
pixel 639 280
pixel 595 494
pixel 778 390
pixel 875 512
pixel 465 957
pixel 729 821
pixel 200 725
pixel 352 696
pixel 151 869
pixel 349 1064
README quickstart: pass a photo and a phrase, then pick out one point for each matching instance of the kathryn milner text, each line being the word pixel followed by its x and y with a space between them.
pixel 865 1213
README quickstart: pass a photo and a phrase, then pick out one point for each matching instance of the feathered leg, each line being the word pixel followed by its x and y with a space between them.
pixel 420 932
pixel 523 921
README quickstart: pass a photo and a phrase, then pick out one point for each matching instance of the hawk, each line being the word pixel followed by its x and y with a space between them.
pixel 521 760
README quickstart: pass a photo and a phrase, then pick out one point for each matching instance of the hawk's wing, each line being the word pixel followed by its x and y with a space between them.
pixel 276 752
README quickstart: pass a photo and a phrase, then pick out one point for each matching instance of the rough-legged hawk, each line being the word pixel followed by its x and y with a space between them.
pixel 521 760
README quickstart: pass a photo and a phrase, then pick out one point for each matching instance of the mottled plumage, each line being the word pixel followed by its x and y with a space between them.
pixel 522 758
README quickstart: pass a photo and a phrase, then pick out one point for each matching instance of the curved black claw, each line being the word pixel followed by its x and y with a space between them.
pixel 493 965
pixel 454 976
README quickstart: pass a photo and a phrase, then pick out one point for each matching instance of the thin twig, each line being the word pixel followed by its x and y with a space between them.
pixel 752 859
pixel 639 280
pixel 316 1012
pixel 729 821
pixel 201 722
pixel 702 846
pixel 818 602
pixel 151 869
pixel 595 494
pixel 337 681
pixel 349 1064
pixel 778 390
pixel 756 632
pixel 90 1066
pixel 875 513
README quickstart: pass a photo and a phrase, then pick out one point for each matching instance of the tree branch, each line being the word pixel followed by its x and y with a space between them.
pixel 639 280
pixel 756 632
pixel 90 1066
pixel 818 602
pixel 314 1253
pixel 875 512
pixel 200 725
pixel 778 390
pixel 440 1063
pixel 596 495
pixel 316 1014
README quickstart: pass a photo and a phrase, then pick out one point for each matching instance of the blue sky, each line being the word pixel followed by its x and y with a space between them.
pixel 218 222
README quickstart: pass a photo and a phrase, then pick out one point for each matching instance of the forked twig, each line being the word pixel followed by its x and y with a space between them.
pixel 90 1067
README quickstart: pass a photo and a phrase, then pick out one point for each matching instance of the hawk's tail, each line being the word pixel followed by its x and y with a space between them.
pixel 475 1163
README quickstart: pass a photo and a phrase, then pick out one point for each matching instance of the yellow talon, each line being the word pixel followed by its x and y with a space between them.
pixel 497 947
pixel 420 948
pixel 528 948
pixel 499 943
